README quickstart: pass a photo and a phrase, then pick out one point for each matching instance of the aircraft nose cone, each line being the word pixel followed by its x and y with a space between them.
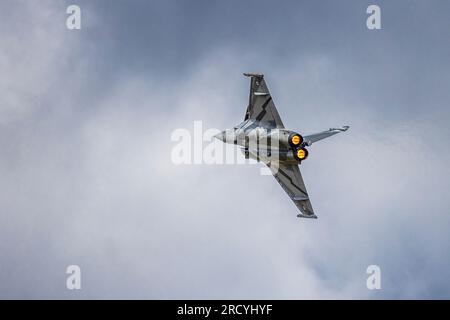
pixel 220 136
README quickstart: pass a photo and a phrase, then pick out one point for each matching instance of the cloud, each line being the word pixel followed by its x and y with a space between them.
pixel 88 180
pixel 32 45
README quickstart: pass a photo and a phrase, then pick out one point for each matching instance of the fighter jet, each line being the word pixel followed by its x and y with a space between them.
pixel 263 137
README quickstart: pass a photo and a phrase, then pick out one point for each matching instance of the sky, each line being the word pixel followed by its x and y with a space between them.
pixel 86 176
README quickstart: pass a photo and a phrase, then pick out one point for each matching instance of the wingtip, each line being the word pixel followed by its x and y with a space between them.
pixel 311 216
pixel 342 129
pixel 257 75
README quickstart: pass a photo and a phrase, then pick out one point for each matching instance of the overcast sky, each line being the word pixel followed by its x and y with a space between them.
pixel 86 176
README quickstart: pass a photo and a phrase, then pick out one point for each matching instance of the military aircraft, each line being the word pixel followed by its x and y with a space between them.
pixel 263 137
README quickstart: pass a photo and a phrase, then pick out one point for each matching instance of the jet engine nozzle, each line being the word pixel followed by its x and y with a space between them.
pixel 295 140
pixel 300 154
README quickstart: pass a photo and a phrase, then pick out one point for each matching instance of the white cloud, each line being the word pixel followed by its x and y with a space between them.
pixel 34 56
pixel 97 188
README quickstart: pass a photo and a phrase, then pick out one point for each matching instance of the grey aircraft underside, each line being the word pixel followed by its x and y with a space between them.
pixel 262 136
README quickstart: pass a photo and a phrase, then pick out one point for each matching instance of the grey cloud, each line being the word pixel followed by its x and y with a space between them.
pixel 86 171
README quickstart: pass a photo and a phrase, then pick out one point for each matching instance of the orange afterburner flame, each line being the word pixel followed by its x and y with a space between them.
pixel 301 154
pixel 295 139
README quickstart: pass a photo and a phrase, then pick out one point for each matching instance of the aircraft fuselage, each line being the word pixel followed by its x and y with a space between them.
pixel 266 144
